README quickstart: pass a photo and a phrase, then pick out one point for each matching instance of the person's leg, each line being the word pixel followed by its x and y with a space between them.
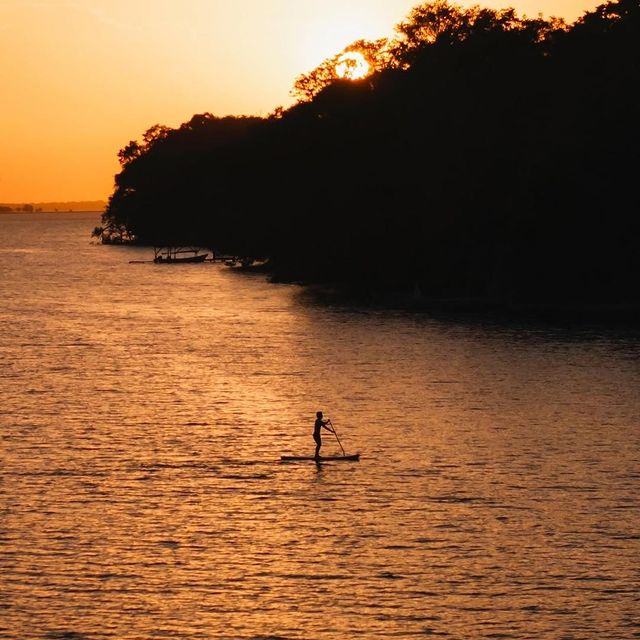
pixel 318 445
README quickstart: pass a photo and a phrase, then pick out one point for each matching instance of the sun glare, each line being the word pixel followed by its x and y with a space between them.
pixel 352 65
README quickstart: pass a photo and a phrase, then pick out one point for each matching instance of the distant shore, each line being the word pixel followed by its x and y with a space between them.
pixel 76 206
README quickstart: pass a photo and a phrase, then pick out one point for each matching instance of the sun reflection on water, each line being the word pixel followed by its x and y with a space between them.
pixel 142 493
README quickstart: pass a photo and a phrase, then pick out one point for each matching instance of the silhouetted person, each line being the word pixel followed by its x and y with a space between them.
pixel 320 424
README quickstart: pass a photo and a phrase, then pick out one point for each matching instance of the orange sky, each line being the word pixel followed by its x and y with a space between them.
pixel 80 78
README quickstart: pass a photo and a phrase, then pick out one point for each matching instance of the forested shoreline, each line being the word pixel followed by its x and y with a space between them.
pixel 485 156
pixel 54 207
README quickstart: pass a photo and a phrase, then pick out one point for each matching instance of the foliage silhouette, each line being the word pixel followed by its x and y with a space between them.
pixel 486 156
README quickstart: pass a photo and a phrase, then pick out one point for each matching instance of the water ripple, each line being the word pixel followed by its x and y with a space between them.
pixel 144 412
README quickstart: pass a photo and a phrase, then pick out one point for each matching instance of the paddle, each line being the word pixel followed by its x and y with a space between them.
pixel 336 435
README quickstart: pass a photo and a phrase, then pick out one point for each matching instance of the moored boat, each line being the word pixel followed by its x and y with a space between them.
pixel 178 255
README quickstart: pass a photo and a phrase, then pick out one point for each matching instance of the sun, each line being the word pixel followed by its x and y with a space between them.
pixel 352 65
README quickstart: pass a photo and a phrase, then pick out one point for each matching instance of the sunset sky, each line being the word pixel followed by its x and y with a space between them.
pixel 80 78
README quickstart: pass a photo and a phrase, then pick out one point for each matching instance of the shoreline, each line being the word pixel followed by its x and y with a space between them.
pixel 411 299
pixel 623 314
pixel 493 309
pixel 37 213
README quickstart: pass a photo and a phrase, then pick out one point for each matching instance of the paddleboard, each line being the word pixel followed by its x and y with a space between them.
pixel 353 457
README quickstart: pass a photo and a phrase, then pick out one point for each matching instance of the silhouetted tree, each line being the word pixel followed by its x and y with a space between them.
pixel 485 155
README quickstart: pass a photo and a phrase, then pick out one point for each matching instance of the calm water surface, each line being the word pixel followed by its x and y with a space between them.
pixel 144 409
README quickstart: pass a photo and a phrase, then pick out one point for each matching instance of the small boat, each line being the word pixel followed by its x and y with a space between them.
pixel 352 457
pixel 178 255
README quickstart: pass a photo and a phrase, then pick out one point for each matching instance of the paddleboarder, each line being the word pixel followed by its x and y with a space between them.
pixel 320 424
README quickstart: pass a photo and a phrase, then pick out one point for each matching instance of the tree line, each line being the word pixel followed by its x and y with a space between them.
pixel 485 155
pixel 24 208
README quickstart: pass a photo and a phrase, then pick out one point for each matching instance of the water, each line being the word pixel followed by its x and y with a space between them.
pixel 144 409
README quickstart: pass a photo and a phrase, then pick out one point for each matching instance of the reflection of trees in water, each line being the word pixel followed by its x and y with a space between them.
pixel 485 154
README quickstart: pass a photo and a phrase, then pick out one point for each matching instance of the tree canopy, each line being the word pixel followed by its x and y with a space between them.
pixel 485 155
